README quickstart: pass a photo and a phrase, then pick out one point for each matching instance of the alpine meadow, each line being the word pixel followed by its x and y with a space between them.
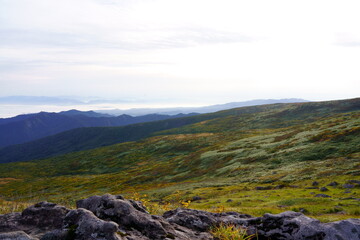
pixel 256 160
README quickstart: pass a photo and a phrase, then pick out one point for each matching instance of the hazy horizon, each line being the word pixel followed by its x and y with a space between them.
pixel 13 109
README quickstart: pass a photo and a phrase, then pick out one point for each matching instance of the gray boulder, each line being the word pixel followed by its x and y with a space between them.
pixel 324 189
pixel 44 215
pixel 343 230
pixel 10 222
pixel 112 217
pixel 296 226
pixel 35 220
pixel 81 224
pixel 264 188
pixel 59 234
pixel 315 183
pixel 202 221
pixel 129 215
pixel 355 181
pixel 288 225
pixel 191 219
pixel 17 235
pixel 333 184
pixel 322 195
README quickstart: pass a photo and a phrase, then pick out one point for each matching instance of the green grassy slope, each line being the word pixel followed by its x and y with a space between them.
pixel 277 115
pixel 282 148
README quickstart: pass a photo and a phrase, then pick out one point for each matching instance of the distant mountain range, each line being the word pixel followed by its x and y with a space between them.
pixel 274 116
pixel 205 109
pixel 29 127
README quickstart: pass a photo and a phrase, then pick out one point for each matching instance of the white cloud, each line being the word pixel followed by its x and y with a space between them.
pixel 206 50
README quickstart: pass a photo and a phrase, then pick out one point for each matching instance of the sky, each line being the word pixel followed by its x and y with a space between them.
pixel 181 52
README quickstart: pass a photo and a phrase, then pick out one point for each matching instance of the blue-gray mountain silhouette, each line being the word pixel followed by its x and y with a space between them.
pixel 29 127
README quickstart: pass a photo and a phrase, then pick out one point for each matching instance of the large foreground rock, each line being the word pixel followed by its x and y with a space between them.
pixel 202 221
pixel 81 224
pixel 293 225
pixel 35 220
pixel 112 217
pixel 16 235
pixel 133 219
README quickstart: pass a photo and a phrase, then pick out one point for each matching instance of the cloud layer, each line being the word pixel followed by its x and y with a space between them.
pixel 192 51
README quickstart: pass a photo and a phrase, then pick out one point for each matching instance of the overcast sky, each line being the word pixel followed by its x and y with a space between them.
pixel 181 51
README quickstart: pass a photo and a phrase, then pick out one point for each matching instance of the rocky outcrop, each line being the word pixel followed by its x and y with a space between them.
pixel 129 215
pixel 17 235
pixel 44 215
pixel 202 221
pixel 112 217
pixel 83 224
pixel 292 225
pixel 34 221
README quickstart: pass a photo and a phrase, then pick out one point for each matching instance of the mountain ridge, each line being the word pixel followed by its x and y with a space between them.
pixel 26 128
pixel 204 109
pixel 88 138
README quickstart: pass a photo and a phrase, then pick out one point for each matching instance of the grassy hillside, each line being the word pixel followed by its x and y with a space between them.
pixel 263 116
pixel 253 160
